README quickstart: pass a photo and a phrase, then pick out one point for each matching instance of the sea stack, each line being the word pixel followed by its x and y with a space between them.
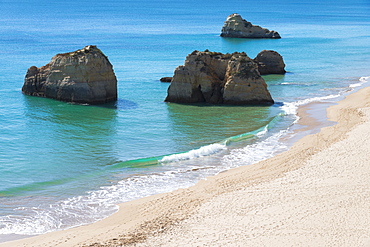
pixel 84 76
pixel 216 78
pixel 237 27
pixel 270 62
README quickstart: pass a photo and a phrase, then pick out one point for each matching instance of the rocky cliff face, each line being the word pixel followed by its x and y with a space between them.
pixel 270 62
pixel 217 78
pixel 82 76
pixel 237 27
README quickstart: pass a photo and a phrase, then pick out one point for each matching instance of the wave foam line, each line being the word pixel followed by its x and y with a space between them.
pixel 362 80
pixel 256 152
pixel 290 108
pixel 196 153
pixel 95 205
pixel 200 152
pixel 218 147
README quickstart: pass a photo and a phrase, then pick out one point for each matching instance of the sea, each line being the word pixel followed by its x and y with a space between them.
pixel 64 165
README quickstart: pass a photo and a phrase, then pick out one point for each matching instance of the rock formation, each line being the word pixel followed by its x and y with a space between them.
pixel 166 79
pixel 237 27
pixel 270 62
pixel 217 78
pixel 82 76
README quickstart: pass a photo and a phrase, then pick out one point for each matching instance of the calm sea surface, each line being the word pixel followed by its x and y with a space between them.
pixel 63 165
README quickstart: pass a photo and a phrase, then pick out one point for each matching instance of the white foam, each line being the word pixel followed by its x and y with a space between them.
pixel 290 108
pixel 362 80
pixel 68 213
pixel 256 152
pixel 262 132
pixel 355 85
pixel 196 153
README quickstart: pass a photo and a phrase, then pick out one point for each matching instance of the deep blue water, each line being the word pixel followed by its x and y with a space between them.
pixel 63 165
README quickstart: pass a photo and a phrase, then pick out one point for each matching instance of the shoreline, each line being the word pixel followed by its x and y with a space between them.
pixel 159 214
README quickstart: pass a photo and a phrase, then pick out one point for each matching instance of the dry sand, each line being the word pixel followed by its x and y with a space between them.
pixel 315 194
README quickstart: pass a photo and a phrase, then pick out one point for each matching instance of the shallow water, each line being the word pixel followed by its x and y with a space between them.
pixel 63 165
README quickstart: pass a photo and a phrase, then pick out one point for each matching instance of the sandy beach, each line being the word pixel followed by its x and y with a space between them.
pixel 315 194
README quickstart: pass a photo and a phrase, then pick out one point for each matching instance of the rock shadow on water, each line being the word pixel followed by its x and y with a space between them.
pixel 238 41
pixel 120 104
pixel 79 128
pixel 202 124
pixel 274 79
pixel 89 132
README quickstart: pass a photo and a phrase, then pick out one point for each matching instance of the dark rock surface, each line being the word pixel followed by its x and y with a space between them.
pixel 166 79
pixel 270 62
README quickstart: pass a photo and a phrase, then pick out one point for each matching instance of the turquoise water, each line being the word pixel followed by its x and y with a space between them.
pixel 63 165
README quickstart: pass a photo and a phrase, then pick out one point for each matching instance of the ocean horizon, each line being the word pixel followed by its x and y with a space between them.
pixel 63 165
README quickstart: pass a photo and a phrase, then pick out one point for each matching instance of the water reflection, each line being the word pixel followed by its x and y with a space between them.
pixel 65 140
pixel 251 46
pixel 120 104
pixel 198 125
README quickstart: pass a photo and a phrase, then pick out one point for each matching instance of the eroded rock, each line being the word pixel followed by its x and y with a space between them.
pixel 237 27
pixel 216 78
pixel 270 62
pixel 82 76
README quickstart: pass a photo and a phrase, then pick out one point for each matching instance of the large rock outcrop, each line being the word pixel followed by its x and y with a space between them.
pixel 270 62
pixel 216 78
pixel 82 76
pixel 237 27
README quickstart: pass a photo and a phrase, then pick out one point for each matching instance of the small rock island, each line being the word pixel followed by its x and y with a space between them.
pixel 270 62
pixel 84 76
pixel 216 78
pixel 237 27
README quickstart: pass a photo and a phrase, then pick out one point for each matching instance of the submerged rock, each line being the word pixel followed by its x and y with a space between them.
pixel 270 62
pixel 82 76
pixel 216 78
pixel 237 27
